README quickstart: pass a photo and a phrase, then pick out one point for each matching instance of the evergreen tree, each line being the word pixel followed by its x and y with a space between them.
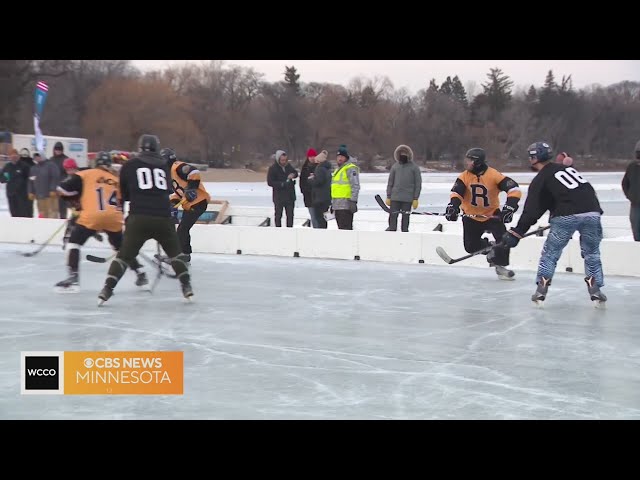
pixel 447 87
pixel 498 91
pixel 459 92
pixel 291 79
pixel 550 84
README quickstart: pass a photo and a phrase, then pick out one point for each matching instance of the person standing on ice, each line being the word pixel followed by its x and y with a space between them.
pixel 281 177
pixel 403 188
pixel 631 189
pixel 345 188
pixel 573 206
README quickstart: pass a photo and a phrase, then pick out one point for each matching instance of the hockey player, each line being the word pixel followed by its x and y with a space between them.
pixel 187 185
pixel 144 183
pixel 94 193
pixel 573 206
pixel 477 191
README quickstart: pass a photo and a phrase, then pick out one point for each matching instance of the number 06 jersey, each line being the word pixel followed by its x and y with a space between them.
pixel 145 182
pixel 561 190
pixel 97 190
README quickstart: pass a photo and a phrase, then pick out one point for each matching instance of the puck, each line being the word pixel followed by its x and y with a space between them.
pixel 569 269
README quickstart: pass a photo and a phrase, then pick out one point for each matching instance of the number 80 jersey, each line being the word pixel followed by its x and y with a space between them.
pixel 562 191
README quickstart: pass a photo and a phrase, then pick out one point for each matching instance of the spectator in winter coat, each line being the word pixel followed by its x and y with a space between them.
pixel 16 175
pixel 25 157
pixel 403 188
pixel 44 177
pixel 320 182
pixel 307 169
pixel 280 177
pixel 345 188
pixel 631 189
pixel 58 159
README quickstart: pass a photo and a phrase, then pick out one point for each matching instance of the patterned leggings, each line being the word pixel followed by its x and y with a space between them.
pixel 562 229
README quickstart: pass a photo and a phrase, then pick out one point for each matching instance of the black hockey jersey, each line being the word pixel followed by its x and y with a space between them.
pixel 145 182
pixel 560 190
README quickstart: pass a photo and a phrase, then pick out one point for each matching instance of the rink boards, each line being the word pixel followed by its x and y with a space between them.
pixel 619 256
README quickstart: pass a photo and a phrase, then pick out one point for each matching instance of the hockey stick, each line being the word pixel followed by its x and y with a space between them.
pixel 435 214
pixel 160 272
pixel 444 256
pixel 41 247
pixel 93 258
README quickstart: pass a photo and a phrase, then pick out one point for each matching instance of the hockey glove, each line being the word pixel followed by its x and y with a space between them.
pixel 190 195
pixel 507 213
pixel 388 202
pixel 452 212
pixel 353 206
pixel 415 204
pixel 511 238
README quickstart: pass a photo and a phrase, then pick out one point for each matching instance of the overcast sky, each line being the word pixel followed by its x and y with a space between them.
pixel 415 74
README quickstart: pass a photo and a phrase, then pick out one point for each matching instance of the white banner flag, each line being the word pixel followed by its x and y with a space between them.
pixel 39 137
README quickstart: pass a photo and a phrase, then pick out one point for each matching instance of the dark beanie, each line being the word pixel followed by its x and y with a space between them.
pixel 58 146
pixel 342 150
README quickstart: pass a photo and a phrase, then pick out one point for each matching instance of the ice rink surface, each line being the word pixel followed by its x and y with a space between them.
pixel 295 338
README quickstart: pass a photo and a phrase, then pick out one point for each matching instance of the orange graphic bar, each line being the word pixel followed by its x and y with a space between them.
pixel 123 373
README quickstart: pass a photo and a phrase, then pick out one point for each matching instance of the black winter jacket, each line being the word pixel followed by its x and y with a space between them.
pixel 283 188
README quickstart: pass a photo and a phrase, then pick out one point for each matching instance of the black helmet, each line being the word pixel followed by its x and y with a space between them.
pixel 169 155
pixel 103 159
pixel 148 143
pixel 541 151
pixel 479 159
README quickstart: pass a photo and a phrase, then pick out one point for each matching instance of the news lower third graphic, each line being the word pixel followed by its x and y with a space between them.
pixel 102 373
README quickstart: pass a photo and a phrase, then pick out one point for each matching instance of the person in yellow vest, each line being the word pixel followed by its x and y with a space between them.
pixel 186 183
pixel 345 187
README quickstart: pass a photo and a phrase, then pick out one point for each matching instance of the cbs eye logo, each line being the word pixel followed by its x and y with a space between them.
pixel 41 373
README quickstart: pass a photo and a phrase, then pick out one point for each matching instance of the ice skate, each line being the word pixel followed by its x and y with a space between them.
pixel 105 294
pixel 541 292
pixel 187 291
pixel 504 273
pixel 141 279
pixel 597 297
pixel 69 285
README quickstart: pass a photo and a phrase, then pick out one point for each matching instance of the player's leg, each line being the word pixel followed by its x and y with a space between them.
pixel 115 239
pixel 136 233
pixel 189 218
pixel 472 235
pixel 77 237
pixel 499 256
pixel 165 234
pixel 590 229
pixel 561 231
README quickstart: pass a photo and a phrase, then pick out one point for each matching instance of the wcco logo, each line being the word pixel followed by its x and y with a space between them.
pixel 41 372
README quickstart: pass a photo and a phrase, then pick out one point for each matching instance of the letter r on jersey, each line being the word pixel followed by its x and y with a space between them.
pixel 479 191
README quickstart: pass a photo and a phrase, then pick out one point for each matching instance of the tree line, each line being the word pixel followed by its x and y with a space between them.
pixel 230 116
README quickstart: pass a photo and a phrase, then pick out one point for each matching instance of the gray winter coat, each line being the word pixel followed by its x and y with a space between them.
pixel 43 179
pixel 405 179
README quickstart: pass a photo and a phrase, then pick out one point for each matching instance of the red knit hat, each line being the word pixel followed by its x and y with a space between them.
pixel 311 153
pixel 69 163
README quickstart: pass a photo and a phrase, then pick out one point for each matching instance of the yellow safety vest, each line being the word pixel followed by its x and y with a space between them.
pixel 340 186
